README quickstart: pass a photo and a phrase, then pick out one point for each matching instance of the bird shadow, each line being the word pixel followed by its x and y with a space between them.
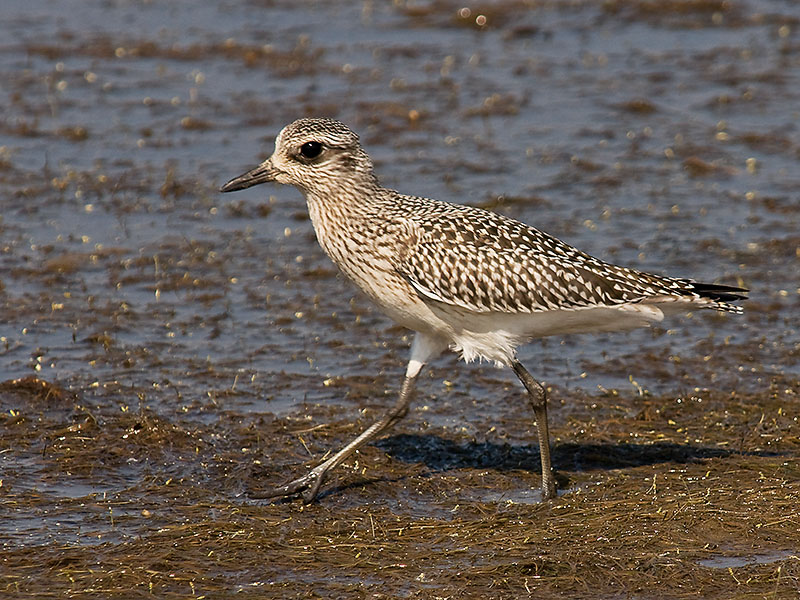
pixel 441 454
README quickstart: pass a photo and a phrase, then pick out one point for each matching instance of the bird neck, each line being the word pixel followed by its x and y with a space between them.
pixel 357 197
pixel 342 215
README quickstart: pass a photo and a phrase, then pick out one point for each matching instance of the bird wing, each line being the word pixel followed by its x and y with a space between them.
pixel 484 262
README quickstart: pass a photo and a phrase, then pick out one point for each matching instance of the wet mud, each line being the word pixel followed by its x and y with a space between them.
pixel 167 353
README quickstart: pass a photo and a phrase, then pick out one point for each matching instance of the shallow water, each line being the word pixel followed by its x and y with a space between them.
pixel 659 136
pixel 648 143
pixel 730 562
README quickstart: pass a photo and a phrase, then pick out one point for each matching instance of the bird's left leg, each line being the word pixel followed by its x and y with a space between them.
pixel 423 348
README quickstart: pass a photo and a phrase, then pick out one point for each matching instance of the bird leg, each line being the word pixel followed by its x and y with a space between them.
pixel 312 481
pixel 538 399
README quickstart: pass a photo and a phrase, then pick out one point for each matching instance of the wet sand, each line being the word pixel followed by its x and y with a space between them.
pixel 166 351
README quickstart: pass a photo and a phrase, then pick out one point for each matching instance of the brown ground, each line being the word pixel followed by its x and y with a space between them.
pixel 665 497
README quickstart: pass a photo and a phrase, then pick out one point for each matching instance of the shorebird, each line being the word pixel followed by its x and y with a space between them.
pixel 461 277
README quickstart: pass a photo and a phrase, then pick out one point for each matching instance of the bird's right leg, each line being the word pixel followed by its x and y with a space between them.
pixel 538 399
pixel 422 349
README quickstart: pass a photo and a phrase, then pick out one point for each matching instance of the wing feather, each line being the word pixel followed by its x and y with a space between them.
pixel 485 262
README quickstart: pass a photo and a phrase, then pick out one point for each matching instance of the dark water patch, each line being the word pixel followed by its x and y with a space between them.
pixel 728 561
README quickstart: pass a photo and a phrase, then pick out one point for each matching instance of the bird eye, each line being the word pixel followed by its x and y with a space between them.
pixel 311 149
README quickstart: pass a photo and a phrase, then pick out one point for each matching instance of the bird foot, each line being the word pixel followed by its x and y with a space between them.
pixel 548 490
pixel 309 482
pixel 548 485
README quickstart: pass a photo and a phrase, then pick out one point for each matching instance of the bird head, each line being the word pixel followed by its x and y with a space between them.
pixel 311 154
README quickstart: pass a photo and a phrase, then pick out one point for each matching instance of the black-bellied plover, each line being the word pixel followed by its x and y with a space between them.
pixel 460 277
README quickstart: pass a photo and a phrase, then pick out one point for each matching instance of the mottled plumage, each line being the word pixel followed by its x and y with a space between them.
pixel 459 276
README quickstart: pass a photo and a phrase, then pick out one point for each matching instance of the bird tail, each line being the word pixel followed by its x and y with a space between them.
pixel 721 296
